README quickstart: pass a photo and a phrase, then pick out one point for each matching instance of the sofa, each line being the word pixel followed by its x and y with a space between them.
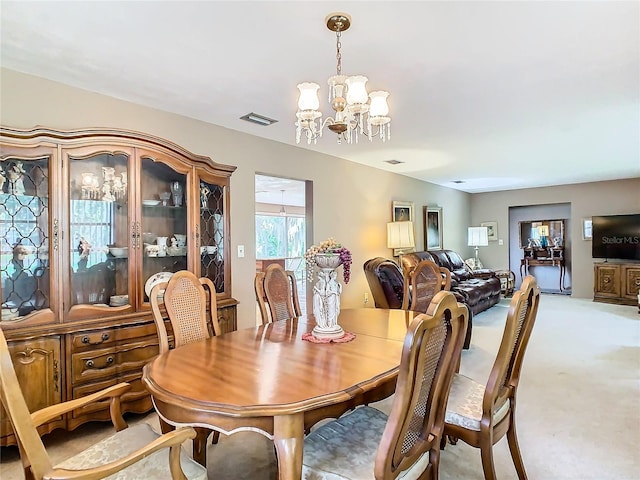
pixel 478 290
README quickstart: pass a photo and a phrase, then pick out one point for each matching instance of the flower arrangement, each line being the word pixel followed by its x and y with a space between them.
pixel 329 247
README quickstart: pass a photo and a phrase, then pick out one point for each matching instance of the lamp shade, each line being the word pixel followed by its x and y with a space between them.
pixel 308 99
pixel 478 236
pixel 379 107
pixel 400 235
pixel 357 90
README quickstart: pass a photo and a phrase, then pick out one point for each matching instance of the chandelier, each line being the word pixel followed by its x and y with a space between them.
pixel 354 108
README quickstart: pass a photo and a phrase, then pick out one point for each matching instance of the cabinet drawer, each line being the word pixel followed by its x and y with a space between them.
pixel 109 336
pixel 105 362
pixel 92 338
pixel 136 392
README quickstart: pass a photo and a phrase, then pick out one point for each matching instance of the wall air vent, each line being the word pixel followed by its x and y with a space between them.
pixel 258 119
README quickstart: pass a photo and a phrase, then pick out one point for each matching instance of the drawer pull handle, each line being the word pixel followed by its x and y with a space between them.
pixel 91 364
pixel 103 338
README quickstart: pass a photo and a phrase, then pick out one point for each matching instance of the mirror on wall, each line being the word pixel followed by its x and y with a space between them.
pixel 541 233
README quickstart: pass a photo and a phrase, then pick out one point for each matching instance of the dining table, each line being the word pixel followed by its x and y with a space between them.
pixel 269 380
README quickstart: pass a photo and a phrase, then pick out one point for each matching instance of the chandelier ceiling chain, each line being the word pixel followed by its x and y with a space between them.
pixel 348 97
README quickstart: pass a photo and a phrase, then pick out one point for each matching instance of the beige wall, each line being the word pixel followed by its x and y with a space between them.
pixel 586 199
pixel 352 202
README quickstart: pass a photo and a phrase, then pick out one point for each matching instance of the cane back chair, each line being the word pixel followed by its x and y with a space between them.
pixel 277 294
pixel 365 443
pixel 481 415
pixel 421 283
pixel 185 301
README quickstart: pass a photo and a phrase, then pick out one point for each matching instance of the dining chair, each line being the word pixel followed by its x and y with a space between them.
pixel 277 294
pixel 131 453
pixel 185 299
pixel 421 283
pixel 481 415
pixel 365 443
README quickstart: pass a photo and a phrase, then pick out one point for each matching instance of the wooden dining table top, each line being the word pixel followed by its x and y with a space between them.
pixel 243 372
pixel 269 380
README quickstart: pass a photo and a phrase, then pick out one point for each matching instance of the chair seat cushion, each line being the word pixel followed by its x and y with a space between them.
pixel 464 407
pixel 154 466
pixel 346 448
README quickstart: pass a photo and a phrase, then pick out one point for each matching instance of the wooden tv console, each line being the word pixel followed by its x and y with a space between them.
pixel 615 282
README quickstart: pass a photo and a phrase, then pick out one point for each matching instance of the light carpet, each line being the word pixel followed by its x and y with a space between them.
pixel 578 413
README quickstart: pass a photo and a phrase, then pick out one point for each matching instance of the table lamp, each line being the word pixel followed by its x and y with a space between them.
pixel 400 237
pixel 477 237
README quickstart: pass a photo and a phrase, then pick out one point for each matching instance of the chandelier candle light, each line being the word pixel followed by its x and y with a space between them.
pixel 348 98
pixel 327 256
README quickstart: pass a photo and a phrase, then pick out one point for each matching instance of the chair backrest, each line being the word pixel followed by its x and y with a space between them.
pixel 185 301
pixel 277 294
pixel 505 373
pixel 422 283
pixel 32 451
pixel 431 349
pixel 385 282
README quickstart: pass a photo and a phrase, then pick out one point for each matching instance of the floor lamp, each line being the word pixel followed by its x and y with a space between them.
pixel 477 237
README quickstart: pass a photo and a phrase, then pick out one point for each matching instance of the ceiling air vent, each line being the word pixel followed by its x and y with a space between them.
pixel 457 181
pixel 258 119
pixel 393 162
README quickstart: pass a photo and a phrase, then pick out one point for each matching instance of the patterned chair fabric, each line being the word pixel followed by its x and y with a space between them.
pixel 481 415
pixel 277 294
pixel 365 443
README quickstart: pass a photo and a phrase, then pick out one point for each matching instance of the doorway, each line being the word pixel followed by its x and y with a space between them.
pixel 547 273
pixel 281 224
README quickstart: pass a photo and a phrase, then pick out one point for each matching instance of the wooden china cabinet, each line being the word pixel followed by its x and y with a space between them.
pixel 90 220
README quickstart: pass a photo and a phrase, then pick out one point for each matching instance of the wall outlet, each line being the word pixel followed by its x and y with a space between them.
pixel 500 242
pixel 366 297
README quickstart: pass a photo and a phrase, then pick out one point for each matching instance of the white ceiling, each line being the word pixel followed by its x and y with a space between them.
pixel 501 95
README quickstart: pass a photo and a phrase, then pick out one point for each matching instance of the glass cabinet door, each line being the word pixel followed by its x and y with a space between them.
pixel 99 236
pixel 212 230
pixel 163 193
pixel 24 237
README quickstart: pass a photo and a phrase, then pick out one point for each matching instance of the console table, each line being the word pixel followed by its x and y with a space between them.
pixel 543 257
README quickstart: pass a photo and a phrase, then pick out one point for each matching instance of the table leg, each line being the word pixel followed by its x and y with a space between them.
pixel 288 437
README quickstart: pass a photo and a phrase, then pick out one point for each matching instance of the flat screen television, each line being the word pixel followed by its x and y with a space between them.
pixel 616 237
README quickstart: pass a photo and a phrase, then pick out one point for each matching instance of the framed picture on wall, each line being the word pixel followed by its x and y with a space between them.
pixel 432 228
pixel 402 211
pixel 492 229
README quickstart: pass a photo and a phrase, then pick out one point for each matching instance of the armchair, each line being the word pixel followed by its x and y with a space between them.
pixel 136 452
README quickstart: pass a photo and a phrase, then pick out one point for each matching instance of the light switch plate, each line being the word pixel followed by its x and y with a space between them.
pixel 240 251
pixel 500 242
